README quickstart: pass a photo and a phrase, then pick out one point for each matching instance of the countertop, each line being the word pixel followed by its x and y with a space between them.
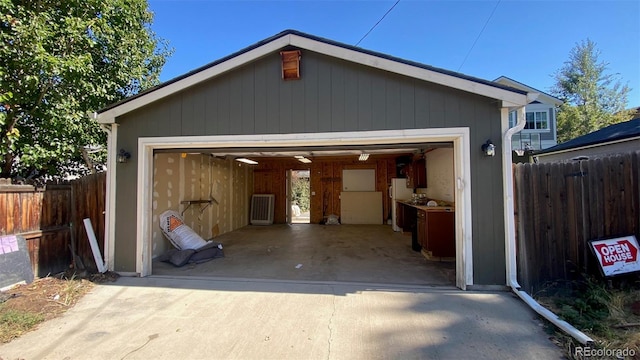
pixel 429 208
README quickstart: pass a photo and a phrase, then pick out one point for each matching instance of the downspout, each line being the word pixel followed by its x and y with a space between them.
pixel 510 235
pixel 109 224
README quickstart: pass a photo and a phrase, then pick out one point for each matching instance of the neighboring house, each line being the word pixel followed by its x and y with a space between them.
pixel 613 139
pixel 540 131
pixel 295 96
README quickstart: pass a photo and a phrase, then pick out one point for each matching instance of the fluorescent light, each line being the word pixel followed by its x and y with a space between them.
pixel 363 157
pixel 302 159
pixel 247 161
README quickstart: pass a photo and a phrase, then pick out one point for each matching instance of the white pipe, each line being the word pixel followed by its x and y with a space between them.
pixel 94 246
pixel 510 234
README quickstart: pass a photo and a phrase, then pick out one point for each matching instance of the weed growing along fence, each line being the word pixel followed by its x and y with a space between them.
pixel 561 206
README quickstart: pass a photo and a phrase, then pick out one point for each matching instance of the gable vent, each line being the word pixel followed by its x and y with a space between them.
pixel 262 209
pixel 290 64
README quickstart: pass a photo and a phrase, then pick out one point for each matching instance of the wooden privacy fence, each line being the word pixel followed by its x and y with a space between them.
pixel 50 219
pixel 561 206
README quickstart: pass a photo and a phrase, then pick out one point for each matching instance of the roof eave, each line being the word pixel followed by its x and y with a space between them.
pixel 587 146
pixel 509 97
pixel 544 97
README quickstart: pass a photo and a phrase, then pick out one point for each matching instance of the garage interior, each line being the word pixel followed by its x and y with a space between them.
pixel 213 188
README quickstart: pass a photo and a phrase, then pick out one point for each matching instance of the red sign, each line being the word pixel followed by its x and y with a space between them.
pixel 617 256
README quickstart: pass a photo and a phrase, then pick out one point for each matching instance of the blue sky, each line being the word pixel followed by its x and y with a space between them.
pixel 525 40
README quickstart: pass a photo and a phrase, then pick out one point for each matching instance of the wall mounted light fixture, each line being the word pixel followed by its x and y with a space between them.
pixel 488 148
pixel 123 156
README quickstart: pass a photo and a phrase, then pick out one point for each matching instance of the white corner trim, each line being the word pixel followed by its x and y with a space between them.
pixel 462 189
pixel 377 62
pixel 462 173
pixel 110 206
pixel 144 254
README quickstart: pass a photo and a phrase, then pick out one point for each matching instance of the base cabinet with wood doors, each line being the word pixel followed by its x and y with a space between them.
pixel 436 232
pixel 405 216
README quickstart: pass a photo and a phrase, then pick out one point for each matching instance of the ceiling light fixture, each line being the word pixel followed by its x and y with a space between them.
pixel 302 159
pixel 247 161
pixel 363 157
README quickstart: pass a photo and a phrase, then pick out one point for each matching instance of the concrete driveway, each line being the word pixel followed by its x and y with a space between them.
pixel 168 318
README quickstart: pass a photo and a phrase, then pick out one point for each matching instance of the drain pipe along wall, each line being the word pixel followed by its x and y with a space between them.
pixel 510 234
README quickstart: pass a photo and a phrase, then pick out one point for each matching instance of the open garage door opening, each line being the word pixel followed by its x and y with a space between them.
pixel 333 214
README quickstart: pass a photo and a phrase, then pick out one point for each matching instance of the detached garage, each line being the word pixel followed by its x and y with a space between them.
pixel 347 119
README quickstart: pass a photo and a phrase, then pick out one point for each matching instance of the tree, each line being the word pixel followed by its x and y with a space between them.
pixel 59 61
pixel 592 99
pixel 300 191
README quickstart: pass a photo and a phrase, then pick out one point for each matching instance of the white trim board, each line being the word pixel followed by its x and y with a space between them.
pixel 462 173
pixel 512 98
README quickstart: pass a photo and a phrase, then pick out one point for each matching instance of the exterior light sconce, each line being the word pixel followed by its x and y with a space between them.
pixel 123 156
pixel 488 148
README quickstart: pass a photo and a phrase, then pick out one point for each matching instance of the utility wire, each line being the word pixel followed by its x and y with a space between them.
pixel 479 34
pixel 374 26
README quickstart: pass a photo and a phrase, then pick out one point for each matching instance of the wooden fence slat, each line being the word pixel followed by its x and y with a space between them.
pixel 560 207
pixel 51 212
pixel 556 214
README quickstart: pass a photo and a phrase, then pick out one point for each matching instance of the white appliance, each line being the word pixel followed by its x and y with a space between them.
pixel 398 191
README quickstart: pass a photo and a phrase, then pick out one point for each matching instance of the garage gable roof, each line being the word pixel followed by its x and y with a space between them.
pixel 292 38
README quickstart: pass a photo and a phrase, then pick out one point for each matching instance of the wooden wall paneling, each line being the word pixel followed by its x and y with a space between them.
pixel 316 187
pixel 337 188
pixel 381 185
pixel 279 189
pixel 327 189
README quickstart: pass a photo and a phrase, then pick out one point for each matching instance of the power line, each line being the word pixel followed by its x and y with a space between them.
pixel 374 26
pixel 474 43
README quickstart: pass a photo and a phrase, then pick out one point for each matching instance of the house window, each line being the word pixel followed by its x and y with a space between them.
pixel 537 120
pixel 513 118
pixel 527 141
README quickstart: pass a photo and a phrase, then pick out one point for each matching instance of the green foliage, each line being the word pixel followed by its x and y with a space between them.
pixel 592 99
pixel 587 307
pixel 60 60
pixel 300 192
pixel 14 323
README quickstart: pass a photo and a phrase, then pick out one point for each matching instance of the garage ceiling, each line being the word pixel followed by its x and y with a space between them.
pixel 313 151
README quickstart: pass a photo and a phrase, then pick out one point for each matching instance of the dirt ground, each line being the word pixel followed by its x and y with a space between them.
pixel 24 306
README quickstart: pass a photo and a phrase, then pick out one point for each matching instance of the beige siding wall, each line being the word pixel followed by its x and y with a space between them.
pixel 200 177
pixel 440 181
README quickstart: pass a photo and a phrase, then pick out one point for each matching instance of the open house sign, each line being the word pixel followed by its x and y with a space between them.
pixel 617 256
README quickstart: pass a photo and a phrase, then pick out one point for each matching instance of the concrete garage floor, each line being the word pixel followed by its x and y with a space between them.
pixel 309 252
